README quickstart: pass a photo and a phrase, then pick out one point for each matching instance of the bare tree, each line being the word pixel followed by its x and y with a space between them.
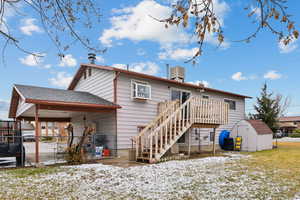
pixel 60 20
pixel 266 14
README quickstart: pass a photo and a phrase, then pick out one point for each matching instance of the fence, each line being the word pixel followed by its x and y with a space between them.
pixel 17 150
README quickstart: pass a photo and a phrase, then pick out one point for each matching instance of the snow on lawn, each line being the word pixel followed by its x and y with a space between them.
pixel 205 178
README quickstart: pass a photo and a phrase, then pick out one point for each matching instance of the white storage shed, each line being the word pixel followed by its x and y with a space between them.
pixel 256 135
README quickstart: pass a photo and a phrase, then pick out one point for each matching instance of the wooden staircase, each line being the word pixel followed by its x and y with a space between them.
pixel 164 131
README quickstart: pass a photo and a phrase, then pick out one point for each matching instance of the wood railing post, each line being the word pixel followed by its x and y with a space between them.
pixel 150 153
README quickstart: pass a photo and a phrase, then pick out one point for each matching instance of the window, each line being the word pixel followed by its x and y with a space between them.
pixel 232 104
pixel 205 96
pixel 179 94
pixel 141 90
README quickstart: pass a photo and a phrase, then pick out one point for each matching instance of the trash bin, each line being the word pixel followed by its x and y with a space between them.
pixel 132 156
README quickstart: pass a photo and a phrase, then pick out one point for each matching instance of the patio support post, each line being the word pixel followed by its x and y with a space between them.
pixel 37 133
pixel 214 141
pixel 47 129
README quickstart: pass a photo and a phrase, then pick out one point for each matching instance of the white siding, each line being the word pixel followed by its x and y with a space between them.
pixel 99 84
pixel 105 124
pixel 264 142
pixel 136 113
pixel 139 113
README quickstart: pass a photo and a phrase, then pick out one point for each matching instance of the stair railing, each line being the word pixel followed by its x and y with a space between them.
pixel 141 139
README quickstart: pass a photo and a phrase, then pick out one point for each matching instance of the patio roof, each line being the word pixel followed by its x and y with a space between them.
pixel 57 99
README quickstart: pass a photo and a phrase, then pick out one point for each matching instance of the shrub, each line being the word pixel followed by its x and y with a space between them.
pixel 297 130
pixel 46 138
pixel 295 135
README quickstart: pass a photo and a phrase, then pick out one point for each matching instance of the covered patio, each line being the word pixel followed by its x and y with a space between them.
pixel 81 109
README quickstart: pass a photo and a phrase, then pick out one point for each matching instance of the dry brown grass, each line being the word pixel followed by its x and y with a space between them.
pixel 281 164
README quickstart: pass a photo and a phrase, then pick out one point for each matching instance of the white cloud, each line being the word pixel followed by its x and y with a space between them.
pixel 136 24
pixel 100 59
pixel 62 80
pixel 287 48
pixel 142 67
pixel 205 83
pixel 68 61
pixel 272 75
pixel 238 76
pixel 177 54
pixel 31 60
pixel 28 26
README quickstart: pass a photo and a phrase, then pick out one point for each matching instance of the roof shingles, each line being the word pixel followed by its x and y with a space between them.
pixel 260 127
pixel 51 94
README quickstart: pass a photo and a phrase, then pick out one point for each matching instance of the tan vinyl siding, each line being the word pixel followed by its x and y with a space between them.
pixel 140 113
pixel 136 113
pixel 99 84
pixel 105 124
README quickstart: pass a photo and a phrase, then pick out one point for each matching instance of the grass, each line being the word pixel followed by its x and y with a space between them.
pixel 26 172
pixel 282 165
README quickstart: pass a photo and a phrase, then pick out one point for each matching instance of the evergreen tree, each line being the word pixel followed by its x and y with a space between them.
pixel 269 108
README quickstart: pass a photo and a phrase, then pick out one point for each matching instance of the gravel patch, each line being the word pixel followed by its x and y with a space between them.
pixel 205 178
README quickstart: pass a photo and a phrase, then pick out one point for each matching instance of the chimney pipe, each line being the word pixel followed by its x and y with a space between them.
pixel 127 67
pixel 168 71
pixel 92 58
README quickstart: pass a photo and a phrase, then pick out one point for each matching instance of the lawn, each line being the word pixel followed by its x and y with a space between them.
pixel 273 174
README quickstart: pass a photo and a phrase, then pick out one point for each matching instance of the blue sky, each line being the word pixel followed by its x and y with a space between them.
pixel 134 38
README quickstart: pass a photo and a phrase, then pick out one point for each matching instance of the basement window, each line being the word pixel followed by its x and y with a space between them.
pixel 232 104
pixel 141 90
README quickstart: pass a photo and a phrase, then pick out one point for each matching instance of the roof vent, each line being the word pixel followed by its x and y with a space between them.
pixel 177 73
pixel 92 58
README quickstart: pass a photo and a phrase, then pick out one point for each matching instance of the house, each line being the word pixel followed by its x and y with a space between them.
pixel 256 135
pixel 289 124
pixel 153 114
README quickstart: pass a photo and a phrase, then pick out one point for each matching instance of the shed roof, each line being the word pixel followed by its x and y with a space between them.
pixel 260 127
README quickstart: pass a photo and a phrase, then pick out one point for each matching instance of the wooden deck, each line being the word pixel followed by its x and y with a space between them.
pixel 173 121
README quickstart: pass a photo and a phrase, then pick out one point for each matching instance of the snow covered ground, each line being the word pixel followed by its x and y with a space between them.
pixel 288 139
pixel 206 178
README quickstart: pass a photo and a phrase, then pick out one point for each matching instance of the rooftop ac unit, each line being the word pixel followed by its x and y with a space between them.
pixel 177 73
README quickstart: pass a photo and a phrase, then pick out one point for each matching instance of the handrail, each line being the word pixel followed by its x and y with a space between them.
pixel 166 128
pixel 162 114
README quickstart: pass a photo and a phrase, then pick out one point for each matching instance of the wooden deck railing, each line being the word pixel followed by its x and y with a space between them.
pixel 161 135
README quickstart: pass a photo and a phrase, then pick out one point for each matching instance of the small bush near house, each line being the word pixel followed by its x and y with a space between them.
pixel 47 138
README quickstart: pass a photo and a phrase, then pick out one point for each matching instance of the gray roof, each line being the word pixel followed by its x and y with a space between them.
pixel 51 94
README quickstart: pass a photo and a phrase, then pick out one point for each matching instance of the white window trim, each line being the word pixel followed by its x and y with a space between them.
pixel 231 100
pixel 138 82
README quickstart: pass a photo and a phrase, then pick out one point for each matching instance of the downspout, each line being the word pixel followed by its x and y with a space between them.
pixel 115 85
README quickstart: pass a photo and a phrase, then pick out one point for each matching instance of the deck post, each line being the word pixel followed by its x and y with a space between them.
pixel 37 133
pixel 189 150
pixel 53 129
pixel 214 141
